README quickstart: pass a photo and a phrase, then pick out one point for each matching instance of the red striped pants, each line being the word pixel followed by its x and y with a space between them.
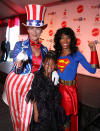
pixel 16 88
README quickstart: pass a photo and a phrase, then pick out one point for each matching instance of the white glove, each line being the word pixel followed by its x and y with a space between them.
pixel 55 77
pixel 22 56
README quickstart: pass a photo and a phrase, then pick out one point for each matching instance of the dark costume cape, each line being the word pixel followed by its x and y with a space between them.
pixel 48 98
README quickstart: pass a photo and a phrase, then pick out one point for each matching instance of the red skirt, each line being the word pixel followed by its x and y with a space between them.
pixel 69 99
pixel 16 88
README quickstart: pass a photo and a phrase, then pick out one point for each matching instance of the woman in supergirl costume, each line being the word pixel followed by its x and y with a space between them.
pixel 68 60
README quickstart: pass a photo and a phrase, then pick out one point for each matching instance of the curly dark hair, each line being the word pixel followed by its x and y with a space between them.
pixel 50 55
pixel 67 31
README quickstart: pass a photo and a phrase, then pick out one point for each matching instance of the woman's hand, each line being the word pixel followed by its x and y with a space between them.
pixel 36 117
pixel 92 46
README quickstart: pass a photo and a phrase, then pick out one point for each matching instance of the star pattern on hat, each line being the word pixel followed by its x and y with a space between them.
pixel 34 23
pixel 41 23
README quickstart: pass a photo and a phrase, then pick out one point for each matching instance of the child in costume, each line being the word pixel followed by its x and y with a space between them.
pixel 48 115
pixel 68 59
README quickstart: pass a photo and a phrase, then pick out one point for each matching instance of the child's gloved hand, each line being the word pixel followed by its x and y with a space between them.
pixel 55 77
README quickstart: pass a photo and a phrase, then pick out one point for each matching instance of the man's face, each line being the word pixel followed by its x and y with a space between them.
pixel 34 33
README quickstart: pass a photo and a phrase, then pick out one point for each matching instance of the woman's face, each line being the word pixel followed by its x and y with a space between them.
pixel 34 33
pixel 49 66
pixel 65 41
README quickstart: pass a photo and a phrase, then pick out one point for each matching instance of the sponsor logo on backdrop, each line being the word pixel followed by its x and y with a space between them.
pixel 79 19
pixel 50 41
pixel 95 6
pixel 80 9
pixel 52 13
pixel 78 41
pixel 95 42
pixel 95 32
pixel 63 24
pixel 64 14
pixel 50 32
pixel 78 30
pixel 51 22
pixel 97 18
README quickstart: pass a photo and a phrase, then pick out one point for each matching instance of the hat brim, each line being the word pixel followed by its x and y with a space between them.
pixel 43 26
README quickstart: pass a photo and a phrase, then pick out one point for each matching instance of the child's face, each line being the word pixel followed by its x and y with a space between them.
pixel 49 66
pixel 65 41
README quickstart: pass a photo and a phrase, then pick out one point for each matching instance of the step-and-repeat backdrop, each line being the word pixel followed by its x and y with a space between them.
pixel 83 17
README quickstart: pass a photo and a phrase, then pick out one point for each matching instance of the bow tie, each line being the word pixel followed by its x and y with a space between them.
pixel 32 43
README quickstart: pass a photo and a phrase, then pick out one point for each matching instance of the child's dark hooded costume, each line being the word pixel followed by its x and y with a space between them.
pixel 47 96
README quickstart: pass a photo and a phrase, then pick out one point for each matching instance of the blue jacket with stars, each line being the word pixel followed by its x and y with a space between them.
pixel 25 45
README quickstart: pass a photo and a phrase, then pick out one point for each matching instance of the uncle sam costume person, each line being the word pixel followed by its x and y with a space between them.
pixel 19 80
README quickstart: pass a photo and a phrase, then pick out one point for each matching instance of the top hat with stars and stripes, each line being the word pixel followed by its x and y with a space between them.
pixel 35 15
